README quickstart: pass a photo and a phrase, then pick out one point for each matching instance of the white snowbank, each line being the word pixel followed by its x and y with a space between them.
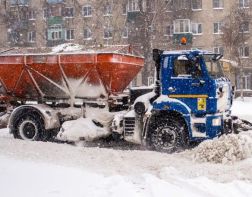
pixel 243 109
pixel 29 179
pixel 85 128
pixel 226 149
pixel 67 47
pixel 81 129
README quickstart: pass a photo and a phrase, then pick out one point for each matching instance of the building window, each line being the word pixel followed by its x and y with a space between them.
pixel 219 50
pixel 244 27
pixel 32 36
pixel 69 12
pixel 244 3
pixel 54 1
pixel 87 11
pixel 182 26
pixel 196 4
pixel 32 15
pixel 108 33
pixel 182 4
pixel 125 32
pixel 124 9
pixel 69 34
pixel 55 33
pixel 153 6
pixel 168 5
pixel 217 28
pixel 244 80
pixel 108 8
pixel 19 2
pixel 218 4
pixel 244 51
pixel 168 30
pixel 150 81
pixel 87 34
pixel 196 28
pixel 45 13
pixel 133 6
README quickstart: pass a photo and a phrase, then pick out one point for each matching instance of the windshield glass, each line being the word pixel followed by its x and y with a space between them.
pixel 213 66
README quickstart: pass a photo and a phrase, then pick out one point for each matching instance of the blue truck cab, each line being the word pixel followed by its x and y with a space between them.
pixel 192 99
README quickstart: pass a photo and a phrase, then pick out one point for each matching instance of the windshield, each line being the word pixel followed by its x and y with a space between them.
pixel 213 66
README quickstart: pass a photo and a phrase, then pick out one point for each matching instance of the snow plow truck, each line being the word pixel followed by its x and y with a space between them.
pixel 190 101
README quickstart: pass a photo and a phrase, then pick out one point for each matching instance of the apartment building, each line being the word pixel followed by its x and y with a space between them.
pixel 144 24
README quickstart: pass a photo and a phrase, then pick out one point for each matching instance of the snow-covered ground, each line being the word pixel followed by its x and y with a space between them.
pixel 49 169
pixel 243 108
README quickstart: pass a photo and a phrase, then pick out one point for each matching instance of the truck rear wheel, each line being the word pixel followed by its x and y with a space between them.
pixel 167 134
pixel 30 127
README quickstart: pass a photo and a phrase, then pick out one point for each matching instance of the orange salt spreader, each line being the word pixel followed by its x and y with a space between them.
pixel 68 75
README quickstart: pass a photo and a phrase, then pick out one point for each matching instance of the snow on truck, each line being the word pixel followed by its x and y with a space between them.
pixel 190 101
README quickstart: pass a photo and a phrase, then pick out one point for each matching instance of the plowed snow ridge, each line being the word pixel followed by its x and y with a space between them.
pixel 123 162
pixel 226 149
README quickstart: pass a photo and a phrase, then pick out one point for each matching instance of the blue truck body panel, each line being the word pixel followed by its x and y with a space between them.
pixel 198 99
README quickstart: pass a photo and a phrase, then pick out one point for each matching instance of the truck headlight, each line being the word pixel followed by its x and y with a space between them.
pixel 139 108
pixel 216 122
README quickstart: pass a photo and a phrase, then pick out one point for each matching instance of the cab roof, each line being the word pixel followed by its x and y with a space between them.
pixel 185 52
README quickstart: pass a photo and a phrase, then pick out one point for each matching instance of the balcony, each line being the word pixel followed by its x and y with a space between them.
pixel 54 1
pixel 19 2
pixel 178 36
pixel 55 20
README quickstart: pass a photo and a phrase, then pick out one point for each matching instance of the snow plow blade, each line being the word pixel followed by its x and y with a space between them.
pixel 240 125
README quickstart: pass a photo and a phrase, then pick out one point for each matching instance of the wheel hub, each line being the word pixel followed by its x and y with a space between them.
pixel 28 130
pixel 165 138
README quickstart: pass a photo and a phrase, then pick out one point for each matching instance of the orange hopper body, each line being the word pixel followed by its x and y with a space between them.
pixel 66 75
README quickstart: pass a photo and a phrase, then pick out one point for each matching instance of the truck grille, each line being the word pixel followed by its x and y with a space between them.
pixel 129 126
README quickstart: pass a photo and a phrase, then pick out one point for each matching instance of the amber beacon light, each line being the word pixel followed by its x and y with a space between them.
pixel 183 40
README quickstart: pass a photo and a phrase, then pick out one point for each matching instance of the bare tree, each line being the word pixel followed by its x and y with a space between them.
pixel 234 26
pixel 147 22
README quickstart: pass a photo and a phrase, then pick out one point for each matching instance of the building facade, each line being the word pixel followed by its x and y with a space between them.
pixel 143 24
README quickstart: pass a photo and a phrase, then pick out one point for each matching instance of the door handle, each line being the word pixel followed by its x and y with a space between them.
pixel 200 83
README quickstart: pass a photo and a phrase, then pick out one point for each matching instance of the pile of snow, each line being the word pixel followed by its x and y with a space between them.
pixel 4 119
pixel 67 47
pixel 226 149
pixel 95 125
pixel 81 129
pixel 241 108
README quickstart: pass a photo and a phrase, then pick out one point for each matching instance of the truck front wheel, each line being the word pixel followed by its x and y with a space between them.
pixel 167 134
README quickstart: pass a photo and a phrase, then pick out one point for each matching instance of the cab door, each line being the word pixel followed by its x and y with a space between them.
pixel 189 83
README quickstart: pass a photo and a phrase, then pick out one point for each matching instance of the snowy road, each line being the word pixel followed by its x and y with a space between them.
pixel 29 169
pixel 50 169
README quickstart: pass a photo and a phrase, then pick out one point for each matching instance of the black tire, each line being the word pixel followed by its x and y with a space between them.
pixel 167 134
pixel 30 127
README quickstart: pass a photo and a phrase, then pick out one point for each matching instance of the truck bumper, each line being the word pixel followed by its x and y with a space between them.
pixel 208 127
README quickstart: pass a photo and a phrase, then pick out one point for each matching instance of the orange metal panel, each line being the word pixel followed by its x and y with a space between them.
pixel 60 75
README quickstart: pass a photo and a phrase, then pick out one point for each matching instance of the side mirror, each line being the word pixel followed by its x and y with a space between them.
pixel 217 57
pixel 156 55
